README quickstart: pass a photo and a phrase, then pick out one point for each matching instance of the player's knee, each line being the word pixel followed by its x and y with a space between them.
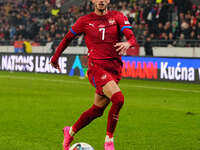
pixel 118 99
pixel 98 111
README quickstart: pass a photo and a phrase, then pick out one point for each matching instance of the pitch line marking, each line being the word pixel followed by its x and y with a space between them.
pixel 162 88
pixel 79 82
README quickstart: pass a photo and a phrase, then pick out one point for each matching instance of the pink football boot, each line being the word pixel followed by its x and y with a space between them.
pixel 109 146
pixel 67 138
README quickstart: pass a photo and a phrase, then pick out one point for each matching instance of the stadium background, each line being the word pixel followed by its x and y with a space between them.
pixel 30 110
pixel 173 22
pixel 163 28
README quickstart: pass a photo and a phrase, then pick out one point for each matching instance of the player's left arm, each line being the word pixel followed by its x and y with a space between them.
pixel 122 47
pixel 126 29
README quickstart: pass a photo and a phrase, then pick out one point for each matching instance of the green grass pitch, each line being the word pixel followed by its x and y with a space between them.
pixel 156 116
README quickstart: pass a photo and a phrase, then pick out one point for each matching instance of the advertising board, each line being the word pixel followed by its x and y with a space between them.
pixel 151 68
pixel 156 68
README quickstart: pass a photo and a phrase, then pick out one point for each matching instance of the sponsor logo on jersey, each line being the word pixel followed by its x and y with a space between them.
pixel 91 24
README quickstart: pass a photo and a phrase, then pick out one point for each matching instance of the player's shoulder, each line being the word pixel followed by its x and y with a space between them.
pixel 115 13
pixel 87 17
pixel 83 18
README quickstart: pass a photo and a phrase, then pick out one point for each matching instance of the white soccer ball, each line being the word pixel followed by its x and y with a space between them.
pixel 81 146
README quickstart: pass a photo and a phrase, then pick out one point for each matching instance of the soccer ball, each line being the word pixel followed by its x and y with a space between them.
pixel 81 146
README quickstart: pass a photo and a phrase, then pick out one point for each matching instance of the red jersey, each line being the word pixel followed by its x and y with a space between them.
pixel 101 33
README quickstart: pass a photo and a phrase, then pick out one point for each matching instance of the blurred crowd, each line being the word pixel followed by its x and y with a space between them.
pixel 166 22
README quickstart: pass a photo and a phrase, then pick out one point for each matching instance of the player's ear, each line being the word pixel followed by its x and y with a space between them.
pixel 92 1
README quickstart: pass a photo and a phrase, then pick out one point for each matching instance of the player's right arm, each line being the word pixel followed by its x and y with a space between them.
pixel 61 47
pixel 76 29
pixel 125 28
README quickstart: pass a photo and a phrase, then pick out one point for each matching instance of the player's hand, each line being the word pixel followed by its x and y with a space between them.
pixel 55 65
pixel 122 47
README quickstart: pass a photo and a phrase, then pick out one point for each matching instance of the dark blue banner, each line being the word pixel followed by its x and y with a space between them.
pixel 184 62
pixel 173 69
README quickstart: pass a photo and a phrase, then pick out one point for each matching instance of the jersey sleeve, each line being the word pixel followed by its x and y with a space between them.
pixel 78 27
pixel 123 22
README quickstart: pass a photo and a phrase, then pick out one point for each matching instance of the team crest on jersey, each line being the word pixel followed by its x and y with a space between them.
pixel 111 21
pixel 103 77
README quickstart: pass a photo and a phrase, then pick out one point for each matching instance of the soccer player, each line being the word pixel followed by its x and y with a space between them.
pixel 102 31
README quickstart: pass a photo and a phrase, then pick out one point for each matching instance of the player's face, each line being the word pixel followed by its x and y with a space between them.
pixel 101 5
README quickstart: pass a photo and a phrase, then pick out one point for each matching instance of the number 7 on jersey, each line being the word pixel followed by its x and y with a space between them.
pixel 103 32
